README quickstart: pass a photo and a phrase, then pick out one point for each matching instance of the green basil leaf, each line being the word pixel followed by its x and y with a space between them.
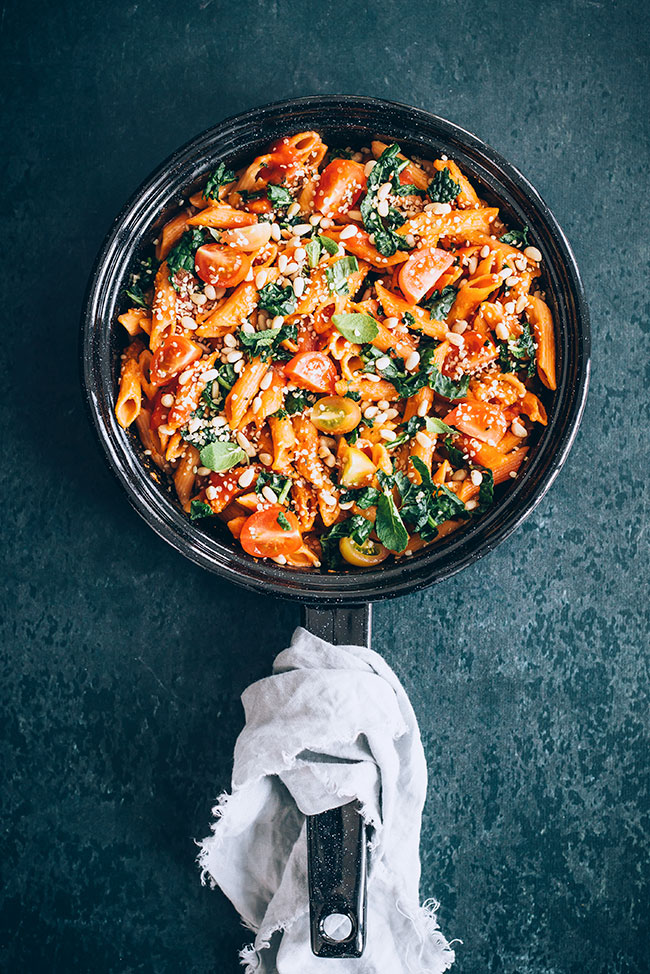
pixel 435 426
pixel 518 354
pixel 337 274
pixel 313 251
pixel 356 527
pixel 447 387
pixel 329 245
pixel 220 456
pixel 358 328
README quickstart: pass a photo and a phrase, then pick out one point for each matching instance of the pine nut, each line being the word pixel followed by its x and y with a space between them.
pixel 209 292
pixel 502 332
pixel 522 301
pixel 266 380
pixel 412 361
pixel 477 477
pixel 276 233
pixel 188 322
pixel 247 477
pixel 349 231
pixel 167 400
pixel 230 340
pixel 391 322
pixel 518 428
pixel 423 439
pixel 294 208
pixel 299 287
pixel 266 459
pixel 234 356
pixel 260 279
pixel 484 251
pixel 382 207
pixel 369 166
pixel 459 475
pixel 301 229
pixel 203 471
pixel 283 260
pixel 384 191
pixel 423 408
pixel 388 435
pixel 533 253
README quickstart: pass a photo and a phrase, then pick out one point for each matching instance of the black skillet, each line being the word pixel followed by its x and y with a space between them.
pixel 336 605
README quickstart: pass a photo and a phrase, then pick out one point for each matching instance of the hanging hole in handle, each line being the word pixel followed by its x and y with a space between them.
pixel 336 928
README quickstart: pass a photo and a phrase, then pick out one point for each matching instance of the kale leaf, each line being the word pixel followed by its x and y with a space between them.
pixel 442 188
pixel 277 300
pixel 518 355
pixel 357 527
pixel 141 281
pixel 439 304
pixel 516 238
pixel 264 344
pixel 181 257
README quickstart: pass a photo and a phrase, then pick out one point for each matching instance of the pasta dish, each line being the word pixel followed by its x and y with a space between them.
pixel 338 353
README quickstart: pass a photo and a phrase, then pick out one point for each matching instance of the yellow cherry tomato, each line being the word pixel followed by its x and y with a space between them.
pixel 362 555
pixel 336 414
pixel 358 469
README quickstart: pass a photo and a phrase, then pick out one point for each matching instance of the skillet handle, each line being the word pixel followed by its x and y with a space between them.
pixel 337 840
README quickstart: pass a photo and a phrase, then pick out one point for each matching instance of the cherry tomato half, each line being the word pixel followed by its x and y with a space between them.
pixel 422 270
pixel 221 266
pixel 481 420
pixel 247 238
pixel 340 186
pixel 264 536
pixel 313 371
pixel 362 555
pixel 336 414
pixel 170 358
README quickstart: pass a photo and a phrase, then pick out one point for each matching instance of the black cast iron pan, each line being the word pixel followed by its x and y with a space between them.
pixel 336 605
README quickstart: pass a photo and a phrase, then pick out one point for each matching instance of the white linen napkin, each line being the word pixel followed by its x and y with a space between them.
pixel 332 724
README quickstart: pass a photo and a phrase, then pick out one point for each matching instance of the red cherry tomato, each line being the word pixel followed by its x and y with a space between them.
pixel 340 186
pixel 170 358
pixel 481 420
pixel 313 371
pixel 264 536
pixel 421 271
pixel 221 266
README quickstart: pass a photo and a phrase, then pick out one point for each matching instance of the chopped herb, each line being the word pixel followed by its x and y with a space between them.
pixel 297 401
pixel 277 300
pixel 455 456
pixel 220 455
pixel 363 497
pixel 486 491
pixel 264 344
pixel 439 304
pixel 247 195
pixel 329 245
pixel 278 484
pixel 337 274
pixel 227 376
pixel 442 188
pixel 516 238
pixel 352 437
pixel 409 429
pixel 518 355
pixel 341 153
pixel 357 527
pixel 220 177
pixel 283 521
pixel 446 387
pixel 357 328
pixel 181 257
pixel 426 505
pixel 408 319
pixel 279 197
pixel 200 509
pixel 141 281
pixel 387 169
pixel 353 394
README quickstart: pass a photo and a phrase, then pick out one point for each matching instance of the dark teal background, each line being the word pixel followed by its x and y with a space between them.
pixel 122 664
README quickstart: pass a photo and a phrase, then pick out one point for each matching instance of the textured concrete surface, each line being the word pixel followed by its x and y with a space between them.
pixel 122 664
